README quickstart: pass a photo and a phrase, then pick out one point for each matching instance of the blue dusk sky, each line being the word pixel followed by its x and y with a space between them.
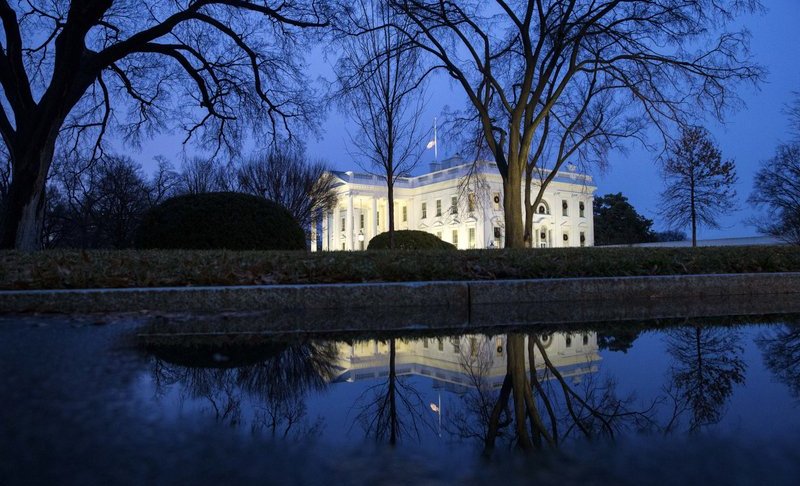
pixel 748 136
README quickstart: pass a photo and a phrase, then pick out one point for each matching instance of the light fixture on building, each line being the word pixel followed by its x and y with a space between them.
pixel 361 235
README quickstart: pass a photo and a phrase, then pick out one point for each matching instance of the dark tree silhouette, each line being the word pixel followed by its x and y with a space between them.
pixel 201 175
pixel 699 183
pixel 707 364
pixel 616 222
pixel 382 87
pixel 776 187
pixel 99 204
pixel 288 177
pixel 516 60
pixel 68 70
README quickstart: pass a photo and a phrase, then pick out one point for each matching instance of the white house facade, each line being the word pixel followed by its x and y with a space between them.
pixel 458 202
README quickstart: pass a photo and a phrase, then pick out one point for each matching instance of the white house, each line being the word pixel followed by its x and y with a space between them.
pixel 459 202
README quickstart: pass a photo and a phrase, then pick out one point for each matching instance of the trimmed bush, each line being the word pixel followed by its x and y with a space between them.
pixel 409 240
pixel 220 220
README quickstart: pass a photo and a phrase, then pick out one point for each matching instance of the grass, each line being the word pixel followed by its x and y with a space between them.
pixel 64 269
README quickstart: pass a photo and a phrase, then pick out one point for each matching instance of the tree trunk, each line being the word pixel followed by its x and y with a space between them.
pixel 23 215
pixel 694 215
pixel 390 192
pixel 393 419
pixel 528 233
pixel 519 383
pixel 512 206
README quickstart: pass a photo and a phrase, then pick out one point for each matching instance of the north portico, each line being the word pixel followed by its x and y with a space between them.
pixel 460 203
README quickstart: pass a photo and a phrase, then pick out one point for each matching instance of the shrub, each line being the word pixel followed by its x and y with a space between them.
pixel 409 240
pixel 220 220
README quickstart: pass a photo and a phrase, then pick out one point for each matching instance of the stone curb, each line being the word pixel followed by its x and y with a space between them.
pixel 451 294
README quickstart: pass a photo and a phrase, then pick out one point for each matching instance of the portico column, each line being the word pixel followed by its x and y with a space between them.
pixel 373 217
pixel 349 222
pixel 314 234
pixel 337 245
pixel 326 234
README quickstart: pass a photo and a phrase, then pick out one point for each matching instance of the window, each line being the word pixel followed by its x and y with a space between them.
pixel 543 209
pixel 454 205
pixel 583 238
pixel 456 345
pixel 343 247
pixel 425 343
pixel 378 218
pixel 581 209
pixel 424 210
pixel 439 235
pixel 472 237
pixel 564 207
pixel 471 202
pixel 455 238
pixel 361 221
pixel 344 221
pixel 566 238
pixel 441 344
pixel 438 208
pixel 405 213
pixel 585 339
pixel 569 341
pixel 473 347
pixel 496 201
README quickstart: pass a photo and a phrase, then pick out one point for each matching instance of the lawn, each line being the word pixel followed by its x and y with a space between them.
pixel 64 269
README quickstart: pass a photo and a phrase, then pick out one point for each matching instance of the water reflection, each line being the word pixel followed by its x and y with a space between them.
pixel 707 363
pixel 273 379
pixel 781 352
pixel 519 390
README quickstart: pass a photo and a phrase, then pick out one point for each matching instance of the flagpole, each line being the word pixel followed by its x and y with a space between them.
pixel 435 143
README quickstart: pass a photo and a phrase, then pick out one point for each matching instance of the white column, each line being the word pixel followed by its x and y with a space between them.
pixel 326 234
pixel 349 223
pixel 335 229
pixel 373 218
pixel 314 234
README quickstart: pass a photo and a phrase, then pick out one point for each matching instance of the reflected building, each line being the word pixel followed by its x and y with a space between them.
pixel 446 359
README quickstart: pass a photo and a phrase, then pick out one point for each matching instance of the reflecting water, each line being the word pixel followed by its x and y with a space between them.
pixel 683 400
pixel 478 393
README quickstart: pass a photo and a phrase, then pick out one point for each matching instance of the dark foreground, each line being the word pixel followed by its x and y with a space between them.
pixel 89 401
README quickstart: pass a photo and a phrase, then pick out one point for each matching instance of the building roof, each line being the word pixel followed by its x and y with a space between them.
pixel 450 169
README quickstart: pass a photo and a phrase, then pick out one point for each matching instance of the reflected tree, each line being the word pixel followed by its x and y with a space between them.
pixel 537 406
pixel 781 351
pixel 392 409
pixel 274 382
pixel 707 364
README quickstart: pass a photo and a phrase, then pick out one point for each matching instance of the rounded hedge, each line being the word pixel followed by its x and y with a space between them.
pixel 220 220
pixel 409 240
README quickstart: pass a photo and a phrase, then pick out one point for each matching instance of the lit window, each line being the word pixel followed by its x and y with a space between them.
pixel 438 208
pixel 472 237
pixel 454 205
pixel 424 210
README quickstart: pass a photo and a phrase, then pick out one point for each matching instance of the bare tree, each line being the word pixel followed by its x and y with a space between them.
pixel 200 175
pixel 699 183
pixel 288 177
pixel 382 83
pixel 99 204
pixel 777 188
pixel 70 69
pixel 515 61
